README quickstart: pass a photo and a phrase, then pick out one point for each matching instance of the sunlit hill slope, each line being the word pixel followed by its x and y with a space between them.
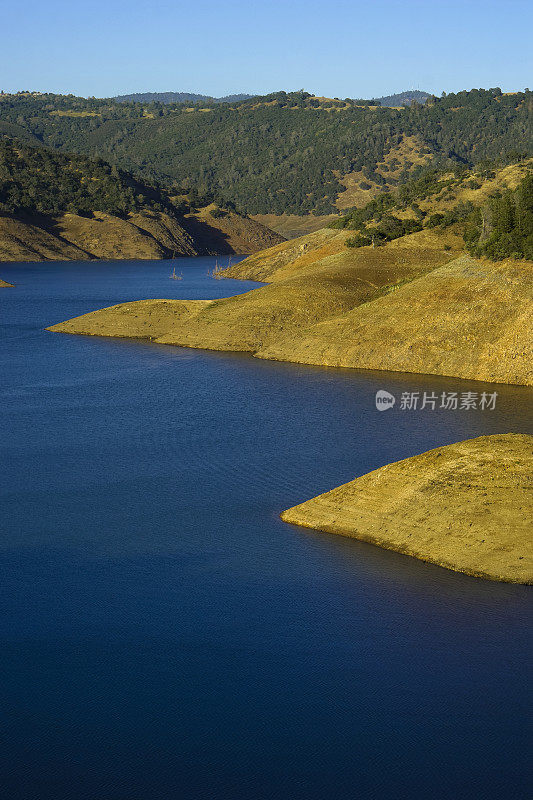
pixel 418 303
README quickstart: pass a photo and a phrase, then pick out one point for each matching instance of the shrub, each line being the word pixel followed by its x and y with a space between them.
pixel 358 241
pixel 218 212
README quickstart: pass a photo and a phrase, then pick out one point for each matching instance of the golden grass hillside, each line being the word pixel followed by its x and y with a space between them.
pixel 68 237
pixel 410 306
pixel 142 319
pixel 467 507
pixel 22 240
pixel 291 226
pixel 467 319
pixel 222 231
pixel 106 236
pixel 476 190
pixel 329 287
pixel 273 263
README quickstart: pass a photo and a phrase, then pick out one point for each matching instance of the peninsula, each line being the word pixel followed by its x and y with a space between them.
pixel 467 507
pixel 417 303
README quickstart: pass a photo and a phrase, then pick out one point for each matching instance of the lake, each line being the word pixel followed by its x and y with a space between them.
pixel 164 635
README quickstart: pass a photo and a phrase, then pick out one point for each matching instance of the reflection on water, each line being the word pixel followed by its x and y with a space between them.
pixel 165 635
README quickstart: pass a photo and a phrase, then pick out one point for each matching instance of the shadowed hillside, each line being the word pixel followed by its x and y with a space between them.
pixel 62 207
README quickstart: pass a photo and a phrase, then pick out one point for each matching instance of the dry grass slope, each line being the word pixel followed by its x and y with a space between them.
pixel 289 258
pixel 143 319
pixel 24 241
pixel 410 306
pixel 466 507
pixel 467 319
pixel 229 232
pixel 291 226
pixel 308 294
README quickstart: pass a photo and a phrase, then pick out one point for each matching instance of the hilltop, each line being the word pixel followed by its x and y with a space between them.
pixel 284 153
pixel 417 303
pixel 58 206
pixel 403 98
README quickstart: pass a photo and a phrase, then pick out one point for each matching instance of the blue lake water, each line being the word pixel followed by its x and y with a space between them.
pixel 164 635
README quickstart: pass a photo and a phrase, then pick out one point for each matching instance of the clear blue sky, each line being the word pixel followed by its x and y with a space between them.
pixel 341 48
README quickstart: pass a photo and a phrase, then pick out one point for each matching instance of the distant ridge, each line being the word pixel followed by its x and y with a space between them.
pixel 179 97
pixel 287 153
pixel 403 98
pixel 400 99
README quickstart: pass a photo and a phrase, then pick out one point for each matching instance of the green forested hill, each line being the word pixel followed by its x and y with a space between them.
pixel 68 206
pixel 492 208
pixel 37 180
pixel 283 153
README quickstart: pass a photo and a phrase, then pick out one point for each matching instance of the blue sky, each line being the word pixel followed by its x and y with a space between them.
pixel 340 48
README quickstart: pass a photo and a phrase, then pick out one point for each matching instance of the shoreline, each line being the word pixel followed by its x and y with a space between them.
pixel 394 309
